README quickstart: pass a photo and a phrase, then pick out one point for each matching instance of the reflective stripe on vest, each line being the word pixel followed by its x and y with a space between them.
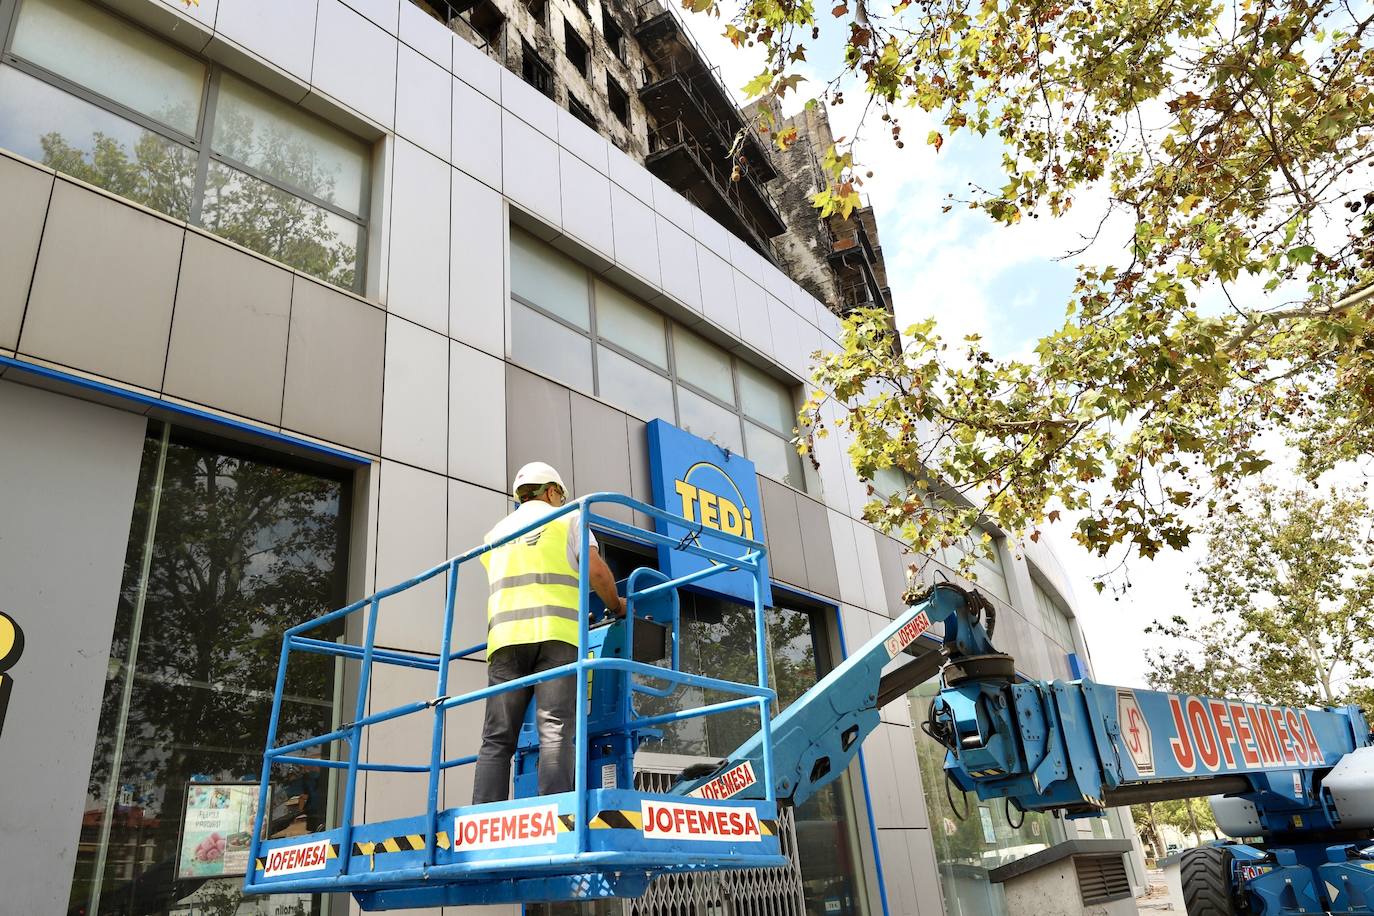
pixel 534 589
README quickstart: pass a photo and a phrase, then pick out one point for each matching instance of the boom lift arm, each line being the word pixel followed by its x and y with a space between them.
pixel 1302 779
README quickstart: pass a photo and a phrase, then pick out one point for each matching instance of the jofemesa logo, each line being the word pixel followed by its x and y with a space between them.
pixel 11 647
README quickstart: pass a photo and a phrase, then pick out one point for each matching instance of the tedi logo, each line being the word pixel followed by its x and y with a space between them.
pixel 11 647
pixel 703 492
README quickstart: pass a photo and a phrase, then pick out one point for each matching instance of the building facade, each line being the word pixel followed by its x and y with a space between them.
pixel 287 292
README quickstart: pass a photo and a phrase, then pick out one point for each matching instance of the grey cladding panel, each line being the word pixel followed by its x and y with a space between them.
pixel 641 484
pixel 786 559
pixel 103 290
pixel 25 191
pixel 228 345
pixel 894 561
pixel 66 500
pixel 817 548
pixel 334 367
pixel 538 424
pixel 601 452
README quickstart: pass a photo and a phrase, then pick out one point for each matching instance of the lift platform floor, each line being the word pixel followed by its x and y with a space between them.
pixel 524 850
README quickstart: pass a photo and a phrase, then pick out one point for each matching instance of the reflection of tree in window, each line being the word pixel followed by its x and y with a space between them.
pixel 240 550
pixel 159 175
pixel 266 219
pixel 253 213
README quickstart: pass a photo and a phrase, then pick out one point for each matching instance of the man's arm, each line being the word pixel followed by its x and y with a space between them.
pixel 603 583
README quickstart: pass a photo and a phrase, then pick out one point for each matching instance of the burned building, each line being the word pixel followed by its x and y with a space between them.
pixel 633 72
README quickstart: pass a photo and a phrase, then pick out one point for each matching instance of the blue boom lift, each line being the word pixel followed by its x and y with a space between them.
pixel 1301 781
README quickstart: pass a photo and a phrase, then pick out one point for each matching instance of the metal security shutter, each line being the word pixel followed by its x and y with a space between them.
pixel 1102 878
pixel 747 892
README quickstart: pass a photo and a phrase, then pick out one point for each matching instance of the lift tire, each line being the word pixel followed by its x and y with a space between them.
pixel 1205 874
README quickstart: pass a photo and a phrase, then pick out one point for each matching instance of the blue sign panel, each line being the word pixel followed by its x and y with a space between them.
pixel 714 489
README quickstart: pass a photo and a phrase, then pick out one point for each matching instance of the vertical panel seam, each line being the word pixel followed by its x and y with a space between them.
pixel 37 255
pixel 171 319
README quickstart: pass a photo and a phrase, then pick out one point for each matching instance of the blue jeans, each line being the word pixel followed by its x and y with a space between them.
pixel 555 713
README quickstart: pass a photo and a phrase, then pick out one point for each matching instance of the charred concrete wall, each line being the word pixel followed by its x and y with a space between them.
pixel 836 260
pixel 542 25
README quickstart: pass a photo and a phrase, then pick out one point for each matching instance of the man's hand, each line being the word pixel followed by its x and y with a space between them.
pixel 618 611
pixel 603 583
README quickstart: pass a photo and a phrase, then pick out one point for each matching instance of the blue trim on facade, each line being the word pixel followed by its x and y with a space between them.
pixel 863 779
pixel 1076 668
pixel 134 397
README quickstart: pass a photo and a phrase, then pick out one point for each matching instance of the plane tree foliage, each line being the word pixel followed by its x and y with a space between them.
pixel 1223 150
pixel 1189 816
pixel 1286 590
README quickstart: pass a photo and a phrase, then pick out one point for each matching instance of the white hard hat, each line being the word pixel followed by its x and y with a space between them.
pixel 536 473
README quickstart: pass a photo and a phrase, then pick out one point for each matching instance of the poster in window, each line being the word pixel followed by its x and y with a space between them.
pixel 216 827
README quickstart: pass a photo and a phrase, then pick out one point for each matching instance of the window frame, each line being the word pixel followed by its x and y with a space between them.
pixel 538 10
pixel 614 88
pixel 202 142
pixel 582 112
pixel 529 57
pixel 670 373
pixel 573 41
pixel 616 46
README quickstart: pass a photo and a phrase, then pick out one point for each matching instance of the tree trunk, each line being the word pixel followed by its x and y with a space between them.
pixel 1192 821
pixel 1155 838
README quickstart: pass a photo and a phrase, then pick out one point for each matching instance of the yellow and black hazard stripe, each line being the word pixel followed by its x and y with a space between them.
pixel 410 842
pixel 633 820
pixel 260 864
pixel 617 820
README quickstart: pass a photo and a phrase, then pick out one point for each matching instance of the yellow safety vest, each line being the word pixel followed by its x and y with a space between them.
pixel 534 594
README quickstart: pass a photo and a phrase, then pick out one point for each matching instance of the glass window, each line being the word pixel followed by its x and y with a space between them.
pixel 991 576
pixel 548 279
pixel 77 138
pixel 544 344
pixel 966 850
pixel 773 455
pixel 276 139
pixel 889 482
pixel 634 326
pixel 708 420
pixel 276 223
pixel 703 364
pixel 641 391
pixel 88 46
pixel 266 174
pixel 1054 619
pixel 629 344
pixel 766 399
pixel 225 553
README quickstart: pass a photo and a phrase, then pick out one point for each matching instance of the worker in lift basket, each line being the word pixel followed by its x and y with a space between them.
pixel 532 626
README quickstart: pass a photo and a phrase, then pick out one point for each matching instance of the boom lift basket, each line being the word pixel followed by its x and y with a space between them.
pixel 604 838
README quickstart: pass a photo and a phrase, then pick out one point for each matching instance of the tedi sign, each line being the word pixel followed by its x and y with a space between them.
pixel 715 490
pixel 11 647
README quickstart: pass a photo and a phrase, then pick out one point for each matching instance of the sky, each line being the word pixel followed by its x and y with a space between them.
pixel 1008 285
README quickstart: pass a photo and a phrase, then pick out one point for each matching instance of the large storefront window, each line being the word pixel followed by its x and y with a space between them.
pixel 718 640
pixel 971 836
pixel 226 550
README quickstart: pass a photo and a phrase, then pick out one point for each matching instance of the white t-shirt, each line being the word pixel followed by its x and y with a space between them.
pixel 529 512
